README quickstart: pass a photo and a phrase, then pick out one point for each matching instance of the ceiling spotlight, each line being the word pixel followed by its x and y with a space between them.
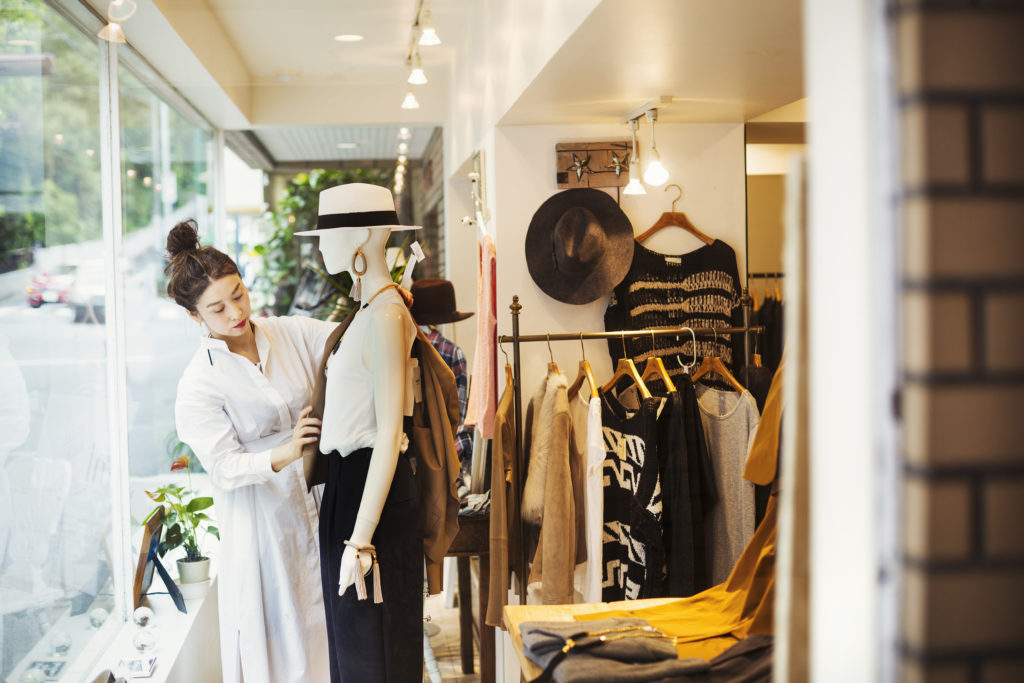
pixel 410 101
pixel 634 186
pixel 403 147
pixel 348 38
pixel 416 75
pixel 402 159
pixel 655 174
pixel 112 33
pixel 428 33
pixel 404 134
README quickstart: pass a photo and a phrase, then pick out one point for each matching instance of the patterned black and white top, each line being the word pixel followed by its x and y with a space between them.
pixel 700 288
pixel 632 550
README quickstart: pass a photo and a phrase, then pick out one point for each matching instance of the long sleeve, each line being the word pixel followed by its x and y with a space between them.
pixel 203 424
pixel 315 333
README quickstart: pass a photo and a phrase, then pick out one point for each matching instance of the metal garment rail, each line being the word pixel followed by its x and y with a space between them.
pixel 516 339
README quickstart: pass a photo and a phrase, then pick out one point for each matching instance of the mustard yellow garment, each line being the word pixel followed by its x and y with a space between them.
pixel 708 623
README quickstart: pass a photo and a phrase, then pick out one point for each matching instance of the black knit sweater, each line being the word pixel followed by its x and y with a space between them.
pixel 700 288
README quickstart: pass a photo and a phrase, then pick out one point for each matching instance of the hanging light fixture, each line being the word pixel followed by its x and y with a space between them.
pixel 428 33
pixel 410 101
pixel 118 12
pixel 416 75
pixel 655 175
pixel 634 186
pixel 404 134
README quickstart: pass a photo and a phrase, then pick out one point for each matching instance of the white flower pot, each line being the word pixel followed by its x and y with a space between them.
pixel 193 572
pixel 192 591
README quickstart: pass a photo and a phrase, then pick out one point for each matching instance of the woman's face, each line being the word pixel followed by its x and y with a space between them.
pixel 225 307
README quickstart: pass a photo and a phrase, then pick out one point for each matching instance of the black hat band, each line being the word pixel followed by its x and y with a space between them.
pixel 356 219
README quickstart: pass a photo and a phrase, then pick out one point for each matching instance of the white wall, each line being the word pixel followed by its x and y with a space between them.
pixel 707 160
pixel 506 43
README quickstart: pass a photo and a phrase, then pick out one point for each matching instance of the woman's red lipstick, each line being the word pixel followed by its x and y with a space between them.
pixel 240 325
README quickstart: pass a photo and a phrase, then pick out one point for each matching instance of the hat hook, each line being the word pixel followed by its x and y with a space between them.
pixel 678 196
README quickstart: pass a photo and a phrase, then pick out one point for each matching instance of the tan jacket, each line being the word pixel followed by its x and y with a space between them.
pixel 437 463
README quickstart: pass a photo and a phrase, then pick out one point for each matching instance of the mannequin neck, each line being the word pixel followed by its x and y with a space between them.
pixel 376 275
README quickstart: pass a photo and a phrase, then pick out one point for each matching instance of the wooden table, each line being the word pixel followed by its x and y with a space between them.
pixel 474 539
pixel 514 615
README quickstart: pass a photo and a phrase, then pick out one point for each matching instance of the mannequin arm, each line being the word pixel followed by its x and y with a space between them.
pixel 385 356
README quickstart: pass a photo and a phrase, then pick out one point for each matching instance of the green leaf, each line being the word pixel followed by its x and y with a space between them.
pixel 197 504
pixel 213 531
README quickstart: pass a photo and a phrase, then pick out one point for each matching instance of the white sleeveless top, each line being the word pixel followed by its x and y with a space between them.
pixel 350 419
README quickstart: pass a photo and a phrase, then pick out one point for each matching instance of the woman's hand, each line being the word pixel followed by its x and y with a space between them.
pixel 307 431
pixel 351 562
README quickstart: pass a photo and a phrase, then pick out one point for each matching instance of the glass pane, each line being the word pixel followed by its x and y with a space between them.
pixel 55 519
pixel 165 169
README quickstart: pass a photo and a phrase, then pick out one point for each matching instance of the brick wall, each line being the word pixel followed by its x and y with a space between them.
pixel 960 79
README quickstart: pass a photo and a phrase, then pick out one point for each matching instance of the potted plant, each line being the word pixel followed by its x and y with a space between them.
pixel 184 519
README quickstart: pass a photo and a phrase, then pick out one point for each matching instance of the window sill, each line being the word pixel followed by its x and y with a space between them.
pixel 187 645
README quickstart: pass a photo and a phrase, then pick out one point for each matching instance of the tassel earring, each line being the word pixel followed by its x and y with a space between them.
pixel 356 292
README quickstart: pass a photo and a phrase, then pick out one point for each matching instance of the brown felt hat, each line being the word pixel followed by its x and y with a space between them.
pixel 579 245
pixel 433 302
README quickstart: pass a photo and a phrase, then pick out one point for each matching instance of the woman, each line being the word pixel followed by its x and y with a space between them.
pixel 242 407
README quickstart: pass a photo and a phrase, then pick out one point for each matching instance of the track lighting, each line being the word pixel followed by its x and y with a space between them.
pixel 118 12
pixel 428 34
pixel 410 101
pixel 634 186
pixel 416 75
pixel 655 175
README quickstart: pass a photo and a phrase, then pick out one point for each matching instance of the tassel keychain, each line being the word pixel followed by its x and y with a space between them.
pixel 360 580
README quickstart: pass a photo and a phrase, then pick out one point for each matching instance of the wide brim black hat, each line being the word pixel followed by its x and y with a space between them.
pixel 604 273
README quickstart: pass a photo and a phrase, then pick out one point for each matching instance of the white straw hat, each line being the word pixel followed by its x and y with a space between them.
pixel 356 205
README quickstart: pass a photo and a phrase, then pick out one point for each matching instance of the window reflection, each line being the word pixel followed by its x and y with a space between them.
pixel 54 449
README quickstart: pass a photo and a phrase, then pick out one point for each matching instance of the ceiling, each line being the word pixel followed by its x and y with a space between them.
pixel 334 143
pixel 284 77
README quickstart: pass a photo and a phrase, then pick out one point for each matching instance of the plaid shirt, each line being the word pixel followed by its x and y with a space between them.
pixel 456 360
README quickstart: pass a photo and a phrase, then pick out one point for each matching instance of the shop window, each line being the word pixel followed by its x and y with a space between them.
pixel 55 522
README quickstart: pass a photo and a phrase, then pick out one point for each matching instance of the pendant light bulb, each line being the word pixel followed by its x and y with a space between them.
pixel 428 34
pixel 655 175
pixel 410 101
pixel 634 186
pixel 416 74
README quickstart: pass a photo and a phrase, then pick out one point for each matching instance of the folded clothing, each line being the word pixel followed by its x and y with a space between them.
pixel 606 651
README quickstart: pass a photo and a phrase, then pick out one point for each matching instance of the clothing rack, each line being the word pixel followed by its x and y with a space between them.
pixel 516 339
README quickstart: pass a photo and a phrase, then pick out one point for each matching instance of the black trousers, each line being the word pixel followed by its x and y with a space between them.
pixel 372 642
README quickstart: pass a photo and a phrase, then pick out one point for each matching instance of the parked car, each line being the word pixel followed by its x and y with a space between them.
pixel 47 288
pixel 87 293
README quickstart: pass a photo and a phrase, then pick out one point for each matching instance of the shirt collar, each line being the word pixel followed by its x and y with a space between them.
pixel 263 344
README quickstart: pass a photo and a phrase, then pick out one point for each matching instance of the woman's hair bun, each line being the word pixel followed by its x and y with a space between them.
pixel 183 237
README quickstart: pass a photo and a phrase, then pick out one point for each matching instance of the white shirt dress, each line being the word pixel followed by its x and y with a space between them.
pixel 232 414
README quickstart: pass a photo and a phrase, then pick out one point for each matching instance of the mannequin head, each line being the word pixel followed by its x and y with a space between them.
pixel 339 247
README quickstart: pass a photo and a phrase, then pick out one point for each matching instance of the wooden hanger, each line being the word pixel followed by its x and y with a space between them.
pixel 552 365
pixel 656 368
pixel 676 218
pixel 626 368
pixel 715 364
pixel 509 377
pixel 585 373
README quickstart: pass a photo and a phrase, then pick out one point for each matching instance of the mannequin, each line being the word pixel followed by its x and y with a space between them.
pixel 371 517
